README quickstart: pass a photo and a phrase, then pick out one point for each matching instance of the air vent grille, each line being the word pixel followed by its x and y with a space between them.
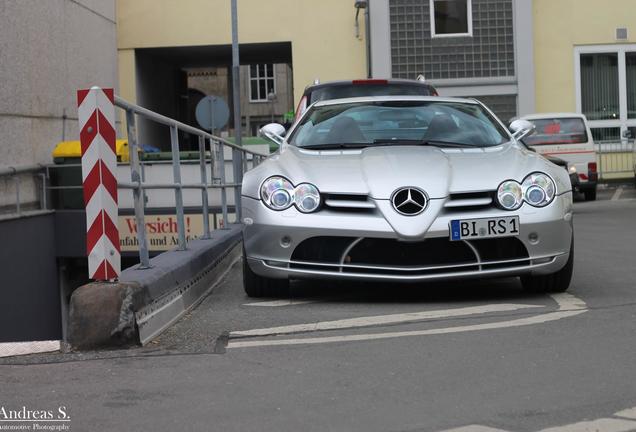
pixel 467 200
pixel 621 33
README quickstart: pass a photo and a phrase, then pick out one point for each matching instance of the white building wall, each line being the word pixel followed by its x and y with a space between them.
pixel 48 50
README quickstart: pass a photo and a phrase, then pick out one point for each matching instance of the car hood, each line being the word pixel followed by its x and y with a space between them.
pixel 379 171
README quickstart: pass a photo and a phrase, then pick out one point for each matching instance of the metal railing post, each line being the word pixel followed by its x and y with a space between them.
pixel 237 170
pixel 204 191
pixel 18 206
pixel 43 202
pixel 178 192
pixel 600 161
pixel 223 188
pixel 138 193
pixel 245 164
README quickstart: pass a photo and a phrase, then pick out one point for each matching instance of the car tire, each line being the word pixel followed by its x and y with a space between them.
pixel 259 286
pixel 551 283
pixel 590 194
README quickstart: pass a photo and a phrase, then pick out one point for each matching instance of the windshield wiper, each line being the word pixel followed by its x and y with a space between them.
pixel 419 142
pixel 416 142
pixel 334 146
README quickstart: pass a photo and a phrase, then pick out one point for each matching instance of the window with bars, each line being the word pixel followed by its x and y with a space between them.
pixel 262 82
pixel 607 89
pixel 488 52
pixel 599 85
pixel 451 18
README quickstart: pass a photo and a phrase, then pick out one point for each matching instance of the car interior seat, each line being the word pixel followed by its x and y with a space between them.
pixel 345 130
pixel 441 127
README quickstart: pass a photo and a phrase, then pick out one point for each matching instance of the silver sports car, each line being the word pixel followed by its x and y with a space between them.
pixel 407 189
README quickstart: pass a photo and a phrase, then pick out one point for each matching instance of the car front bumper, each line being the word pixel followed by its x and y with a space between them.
pixel 271 237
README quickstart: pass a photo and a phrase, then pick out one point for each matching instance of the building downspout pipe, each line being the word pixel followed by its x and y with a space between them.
pixel 367 38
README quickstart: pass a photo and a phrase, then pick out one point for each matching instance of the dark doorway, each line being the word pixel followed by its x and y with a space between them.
pixel 162 82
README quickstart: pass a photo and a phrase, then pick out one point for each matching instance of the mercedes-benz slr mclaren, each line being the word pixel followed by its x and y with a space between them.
pixel 405 189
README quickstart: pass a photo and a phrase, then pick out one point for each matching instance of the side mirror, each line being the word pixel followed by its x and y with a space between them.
pixel 521 128
pixel 273 132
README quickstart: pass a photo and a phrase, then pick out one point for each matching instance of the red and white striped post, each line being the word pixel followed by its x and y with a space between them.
pixel 96 114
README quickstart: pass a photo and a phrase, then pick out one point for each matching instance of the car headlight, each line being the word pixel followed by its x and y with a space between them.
pixel 510 195
pixel 537 189
pixel 278 193
pixel 306 197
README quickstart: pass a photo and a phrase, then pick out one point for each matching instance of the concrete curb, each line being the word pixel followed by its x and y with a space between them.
pixel 144 302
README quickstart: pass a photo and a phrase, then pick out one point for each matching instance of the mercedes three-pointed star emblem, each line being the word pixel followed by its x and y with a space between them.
pixel 409 201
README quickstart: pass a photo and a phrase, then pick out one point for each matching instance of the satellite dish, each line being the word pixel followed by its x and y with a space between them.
pixel 212 113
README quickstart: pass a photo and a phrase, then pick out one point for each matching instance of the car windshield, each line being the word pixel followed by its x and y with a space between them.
pixel 361 124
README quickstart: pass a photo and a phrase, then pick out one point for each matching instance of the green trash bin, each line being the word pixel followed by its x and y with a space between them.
pixel 62 175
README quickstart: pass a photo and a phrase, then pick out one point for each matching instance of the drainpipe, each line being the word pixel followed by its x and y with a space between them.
pixel 367 38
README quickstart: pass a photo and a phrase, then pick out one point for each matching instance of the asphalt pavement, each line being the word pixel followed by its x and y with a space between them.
pixel 465 356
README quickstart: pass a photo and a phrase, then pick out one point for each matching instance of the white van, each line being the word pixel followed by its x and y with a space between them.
pixel 568 137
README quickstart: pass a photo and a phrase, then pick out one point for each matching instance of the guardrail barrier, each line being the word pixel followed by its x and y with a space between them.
pixel 615 159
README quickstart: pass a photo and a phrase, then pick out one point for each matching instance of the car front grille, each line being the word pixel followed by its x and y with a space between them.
pixel 362 203
pixel 463 201
pixel 434 256
pixel 350 203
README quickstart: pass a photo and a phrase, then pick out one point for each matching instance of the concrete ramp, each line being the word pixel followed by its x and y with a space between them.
pixel 144 302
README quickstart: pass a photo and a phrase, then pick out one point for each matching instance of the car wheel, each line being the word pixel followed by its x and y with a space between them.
pixel 258 286
pixel 590 194
pixel 555 282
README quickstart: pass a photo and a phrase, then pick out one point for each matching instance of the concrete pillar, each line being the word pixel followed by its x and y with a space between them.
pixel 380 32
pixel 524 55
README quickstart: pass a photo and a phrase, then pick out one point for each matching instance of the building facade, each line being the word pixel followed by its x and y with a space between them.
pixel 48 50
pixel 284 46
pixel 585 61
pixel 266 92
pixel 468 48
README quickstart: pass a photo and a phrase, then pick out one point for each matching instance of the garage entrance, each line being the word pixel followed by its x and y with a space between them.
pixel 171 81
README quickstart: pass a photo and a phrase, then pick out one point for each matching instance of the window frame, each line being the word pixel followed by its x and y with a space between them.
pixel 254 80
pixel 620 50
pixel 469 21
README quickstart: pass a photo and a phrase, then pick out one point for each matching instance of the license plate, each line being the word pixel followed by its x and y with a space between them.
pixel 462 229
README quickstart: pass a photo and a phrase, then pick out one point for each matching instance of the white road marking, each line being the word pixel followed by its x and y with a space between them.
pixel 598 425
pixel 617 194
pixel 382 319
pixel 568 302
pixel 278 303
pixel 604 425
pixel 474 428
pixel 569 306
pixel 628 413
pixel 9 349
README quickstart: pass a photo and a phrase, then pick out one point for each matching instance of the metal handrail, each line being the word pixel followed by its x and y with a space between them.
pixel 136 185
pixel 616 158
pixel 11 170
pixel 159 118
pixel 216 154
pixel 15 171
